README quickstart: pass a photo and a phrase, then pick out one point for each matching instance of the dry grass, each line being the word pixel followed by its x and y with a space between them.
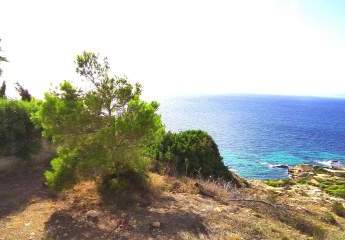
pixel 177 203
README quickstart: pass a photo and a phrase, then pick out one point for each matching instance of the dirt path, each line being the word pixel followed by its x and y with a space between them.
pixel 25 204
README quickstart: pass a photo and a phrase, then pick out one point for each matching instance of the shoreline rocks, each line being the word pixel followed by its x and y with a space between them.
pixel 306 170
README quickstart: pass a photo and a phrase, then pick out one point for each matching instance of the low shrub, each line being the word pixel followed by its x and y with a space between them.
pixel 191 153
pixel 338 209
pixel 279 182
pixel 303 180
pixel 332 186
pixel 18 134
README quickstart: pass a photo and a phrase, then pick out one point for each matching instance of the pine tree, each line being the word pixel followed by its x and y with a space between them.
pixel 24 93
pixel 3 90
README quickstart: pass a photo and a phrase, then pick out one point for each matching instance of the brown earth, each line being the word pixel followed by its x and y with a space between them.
pixel 169 208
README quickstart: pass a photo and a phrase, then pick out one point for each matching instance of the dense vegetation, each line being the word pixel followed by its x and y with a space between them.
pixel 19 135
pixel 103 132
pixel 191 153
pixel 100 132
pixel 279 182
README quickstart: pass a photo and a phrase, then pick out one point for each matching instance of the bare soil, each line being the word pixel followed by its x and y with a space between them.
pixel 169 209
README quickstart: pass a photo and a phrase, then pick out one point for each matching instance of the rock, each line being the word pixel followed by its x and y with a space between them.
pixel 238 181
pixel 27 224
pixel 218 209
pixel 125 234
pixel 92 215
pixel 280 166
pixel 336 172
pixel 302 170
pixel 156 224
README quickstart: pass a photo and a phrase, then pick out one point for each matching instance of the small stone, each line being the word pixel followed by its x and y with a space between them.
pixel 125 234
pixel 92 215
pixel 218 209
pixel 65 234
pixel 156 224
pixel 201 236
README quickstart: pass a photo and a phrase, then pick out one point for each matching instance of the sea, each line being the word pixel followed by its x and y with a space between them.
pixel 256 133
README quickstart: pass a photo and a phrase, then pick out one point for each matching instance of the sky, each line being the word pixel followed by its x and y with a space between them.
pixel 180 47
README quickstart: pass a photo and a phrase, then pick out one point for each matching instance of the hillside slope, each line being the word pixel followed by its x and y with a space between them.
pixel 169 209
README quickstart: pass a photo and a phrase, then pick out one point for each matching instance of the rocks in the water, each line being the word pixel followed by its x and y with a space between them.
pixel 306 170
pixel 280 166
pixel 334 164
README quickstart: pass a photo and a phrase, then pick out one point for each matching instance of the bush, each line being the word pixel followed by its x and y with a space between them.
pixel 18 134
pixel 279 182
pixel 102 132
pixel 333 186
pixel 338 209
pixel 191 153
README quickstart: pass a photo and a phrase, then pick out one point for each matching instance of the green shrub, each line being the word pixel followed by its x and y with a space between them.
pixel 18 134
pixel 332 186
pixel 102 132
pixel 191 153
pixel 279 182
pixel 338 209
pixel 303 180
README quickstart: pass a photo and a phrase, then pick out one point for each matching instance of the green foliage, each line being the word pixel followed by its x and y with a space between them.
pixel 338 209
pixel 333 186
pixel 302 180
pixel 279 182
pixel 18 134
pixel 191 153
pixel 102 132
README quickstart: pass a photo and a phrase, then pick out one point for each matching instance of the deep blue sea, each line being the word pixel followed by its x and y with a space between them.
pixel 255 132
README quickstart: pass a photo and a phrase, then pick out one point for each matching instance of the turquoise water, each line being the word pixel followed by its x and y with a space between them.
pixel 255 132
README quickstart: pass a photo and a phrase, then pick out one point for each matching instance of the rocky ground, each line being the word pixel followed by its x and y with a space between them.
pixel 169 208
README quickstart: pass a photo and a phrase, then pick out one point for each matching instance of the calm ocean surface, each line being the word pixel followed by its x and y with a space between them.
pixel 255 132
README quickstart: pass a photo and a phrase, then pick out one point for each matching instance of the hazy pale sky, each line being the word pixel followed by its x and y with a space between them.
pixel 181 47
